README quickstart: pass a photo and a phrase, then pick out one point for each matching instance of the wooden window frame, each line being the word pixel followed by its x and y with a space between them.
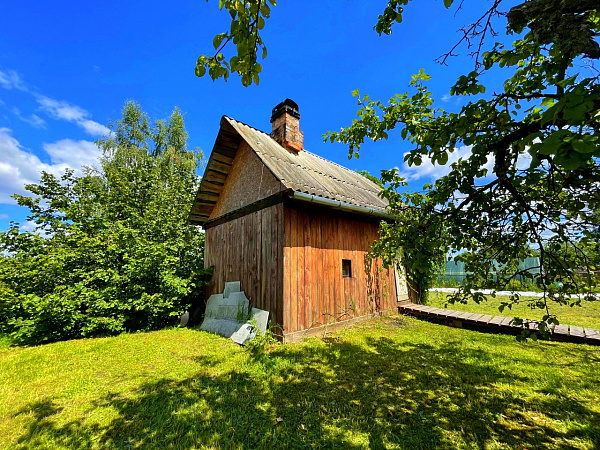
pixel 346 264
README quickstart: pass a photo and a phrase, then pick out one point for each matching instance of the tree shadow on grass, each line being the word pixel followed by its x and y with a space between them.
pixel 331 395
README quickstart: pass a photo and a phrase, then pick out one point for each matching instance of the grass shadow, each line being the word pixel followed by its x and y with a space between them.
pixel 378 393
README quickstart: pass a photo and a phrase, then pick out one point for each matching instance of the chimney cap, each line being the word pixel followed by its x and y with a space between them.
pixel 289 106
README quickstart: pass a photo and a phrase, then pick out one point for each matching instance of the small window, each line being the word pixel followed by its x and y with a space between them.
pixel 346 268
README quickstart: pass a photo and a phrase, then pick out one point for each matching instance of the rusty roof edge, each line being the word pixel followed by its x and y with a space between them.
pixel 338 204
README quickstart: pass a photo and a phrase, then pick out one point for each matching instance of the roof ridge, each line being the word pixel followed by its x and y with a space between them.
pixel 249 126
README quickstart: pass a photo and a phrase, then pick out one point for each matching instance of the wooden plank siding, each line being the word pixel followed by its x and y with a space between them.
pixel 249 249
pixel 314 291
pixel 248 181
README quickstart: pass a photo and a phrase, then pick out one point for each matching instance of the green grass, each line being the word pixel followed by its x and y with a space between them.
pixel 395 382
pixel 587 315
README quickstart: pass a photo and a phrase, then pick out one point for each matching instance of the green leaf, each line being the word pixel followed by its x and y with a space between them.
pixel 581 146
pixel 448 3
pixel 548 101
pixel 217 40
pixel 443 158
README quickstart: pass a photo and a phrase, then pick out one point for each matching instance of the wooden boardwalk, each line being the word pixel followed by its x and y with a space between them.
pixel 562 332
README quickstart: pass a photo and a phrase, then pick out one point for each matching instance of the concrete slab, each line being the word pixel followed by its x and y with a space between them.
pixel 232 286
pixel 235 307
pixel 244 334
pixel 223 327
pixel 261 318
pixel 229 315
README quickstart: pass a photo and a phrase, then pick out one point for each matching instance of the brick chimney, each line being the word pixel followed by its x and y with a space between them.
pixel 286 126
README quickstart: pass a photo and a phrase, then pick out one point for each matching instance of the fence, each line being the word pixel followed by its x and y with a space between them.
pixel 455 272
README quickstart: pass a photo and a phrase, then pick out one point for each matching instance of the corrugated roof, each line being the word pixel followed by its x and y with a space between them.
pixel 303 171
pixel 306 172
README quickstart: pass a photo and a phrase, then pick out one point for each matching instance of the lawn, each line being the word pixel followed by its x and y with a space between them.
pixel 391 383
pixel 587 315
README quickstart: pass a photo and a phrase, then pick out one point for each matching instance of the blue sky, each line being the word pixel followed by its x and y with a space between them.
pixel 67 68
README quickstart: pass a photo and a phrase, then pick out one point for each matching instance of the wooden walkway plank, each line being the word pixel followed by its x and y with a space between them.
pixel 446 313
pixel 462 315
pixel 475 317
pixel 496 320
pixel 591 333
pixel 592 336
pixel 576 331
pixel 466 316
pixel 485 319
pixel 412 307
pixel 561 330
pixel 454 314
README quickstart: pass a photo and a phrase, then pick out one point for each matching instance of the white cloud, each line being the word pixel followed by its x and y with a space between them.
pixel 446 97
pixel 429 170
pixel 28 225
pixel 4 217
pixel 523 161
pixel 62 110
pixel 56 109
pixel 10 79
pixel 19 167
pixel 94 128
pixel 34 120
pixel 31 227
pixel 75 154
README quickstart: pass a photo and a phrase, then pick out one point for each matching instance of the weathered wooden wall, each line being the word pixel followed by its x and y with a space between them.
pixel 248 181
pixel 250 249
pixel 314 291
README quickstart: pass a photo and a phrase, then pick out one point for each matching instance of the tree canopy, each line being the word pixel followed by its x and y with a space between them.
pixel 530 183
pixel 118 253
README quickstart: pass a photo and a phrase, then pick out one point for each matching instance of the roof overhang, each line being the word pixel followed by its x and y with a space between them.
pixel 217 169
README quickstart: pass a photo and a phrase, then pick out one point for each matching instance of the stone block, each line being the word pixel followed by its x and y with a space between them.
pixel 261 318
pixel 233 286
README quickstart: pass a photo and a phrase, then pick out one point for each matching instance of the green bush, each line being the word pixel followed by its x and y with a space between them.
pixel 118 253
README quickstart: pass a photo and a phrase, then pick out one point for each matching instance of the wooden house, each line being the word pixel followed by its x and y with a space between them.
pixel 293 227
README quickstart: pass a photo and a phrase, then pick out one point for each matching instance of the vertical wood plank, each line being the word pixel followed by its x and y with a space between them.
pixel 294 270
pixel 277 267
pixel 328 269
pixel 301 279
pixel 308 278
pixel 343 236
pixel 265 257
pixel 287 256
pixel 331 268
pixel 318 270
pixel 250 249
pixel 336 269
pixel 361 274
